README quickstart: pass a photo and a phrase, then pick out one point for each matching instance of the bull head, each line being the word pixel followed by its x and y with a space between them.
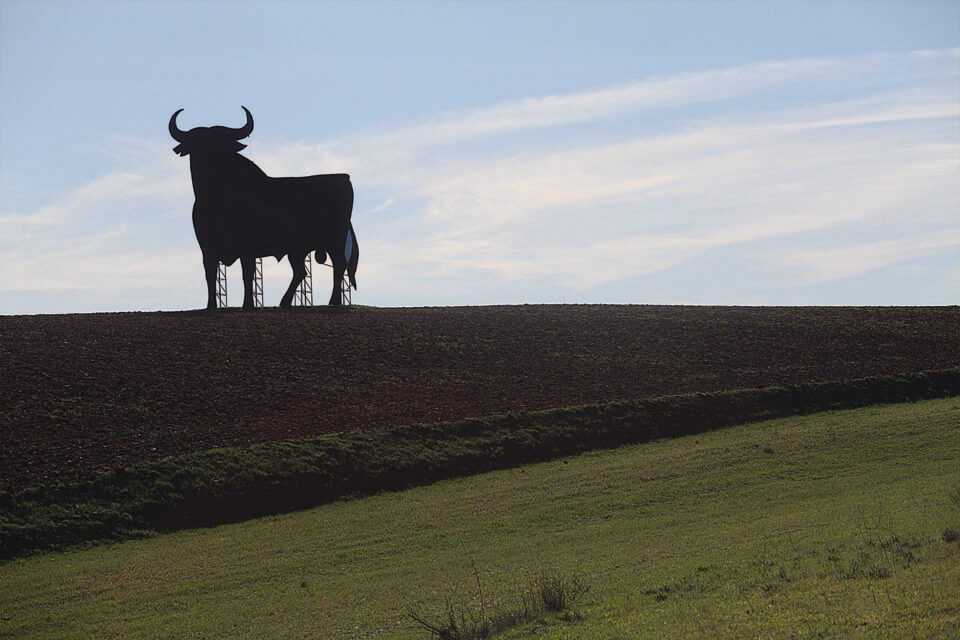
pixel 209 139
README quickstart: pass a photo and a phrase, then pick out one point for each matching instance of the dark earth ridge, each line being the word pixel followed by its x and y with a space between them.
pixel 83 393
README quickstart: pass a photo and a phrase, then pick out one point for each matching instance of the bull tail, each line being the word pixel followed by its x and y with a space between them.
pixel 351 251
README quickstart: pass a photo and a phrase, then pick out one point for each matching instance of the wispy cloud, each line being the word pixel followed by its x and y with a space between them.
pixel 645 204
pixel 817 76
pixel 109 233
pixel 817 265
pixel 559 110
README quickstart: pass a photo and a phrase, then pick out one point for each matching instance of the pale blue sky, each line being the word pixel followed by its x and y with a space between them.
pixel 619 152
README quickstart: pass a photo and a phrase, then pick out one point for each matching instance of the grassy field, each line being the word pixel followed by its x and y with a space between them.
pixel 826 525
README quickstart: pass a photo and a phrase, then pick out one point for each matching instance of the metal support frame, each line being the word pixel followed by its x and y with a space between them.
pixel 221 285
pixel 258 283
pixel 303 296
pixel 346 298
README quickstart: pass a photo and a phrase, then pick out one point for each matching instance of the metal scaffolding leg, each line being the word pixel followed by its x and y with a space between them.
pixel 221 285
pixel 345 296
pixel 303 296
pixel 258 283
pixel 345 292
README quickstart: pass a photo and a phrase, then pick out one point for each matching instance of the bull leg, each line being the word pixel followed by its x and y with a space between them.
pixel 210 264
pixel 299 273
pixel 339 259
pixel 339 266
pixel 248 265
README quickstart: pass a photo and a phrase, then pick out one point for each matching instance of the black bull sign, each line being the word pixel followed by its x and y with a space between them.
pixel 241 213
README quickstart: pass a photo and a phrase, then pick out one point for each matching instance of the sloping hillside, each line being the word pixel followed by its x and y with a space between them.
pixel 88 392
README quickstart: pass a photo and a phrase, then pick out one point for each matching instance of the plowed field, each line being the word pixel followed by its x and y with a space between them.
pixel 82 393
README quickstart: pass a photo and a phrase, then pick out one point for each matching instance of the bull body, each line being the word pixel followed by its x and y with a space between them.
pixel 241 213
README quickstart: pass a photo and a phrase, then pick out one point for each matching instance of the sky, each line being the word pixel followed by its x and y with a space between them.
pixel 734 153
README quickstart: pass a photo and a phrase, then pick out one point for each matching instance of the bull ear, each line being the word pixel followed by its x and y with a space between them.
pixel 237 146
pixel 181 149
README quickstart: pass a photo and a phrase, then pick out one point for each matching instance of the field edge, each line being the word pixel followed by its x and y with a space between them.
pixel 234 484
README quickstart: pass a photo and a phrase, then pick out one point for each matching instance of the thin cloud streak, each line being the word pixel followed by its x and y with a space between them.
pixel 817 266
pixel 386 148
pixel 769 186
pixel 499 193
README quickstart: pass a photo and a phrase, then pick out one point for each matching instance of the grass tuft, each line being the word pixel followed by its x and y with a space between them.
pixel 557 592
pixel 549 592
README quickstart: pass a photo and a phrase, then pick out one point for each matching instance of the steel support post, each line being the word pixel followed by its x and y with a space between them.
pixel 221 285
pixel 258 283
pixel 303 296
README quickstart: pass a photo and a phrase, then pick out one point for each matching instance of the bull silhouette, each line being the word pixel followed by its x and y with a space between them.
pixel 241 213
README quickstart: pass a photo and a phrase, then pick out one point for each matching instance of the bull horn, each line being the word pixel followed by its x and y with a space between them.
pixel 246 129
pixel 175 131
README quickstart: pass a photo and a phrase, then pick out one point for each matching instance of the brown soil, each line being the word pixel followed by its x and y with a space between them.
pixel 82 393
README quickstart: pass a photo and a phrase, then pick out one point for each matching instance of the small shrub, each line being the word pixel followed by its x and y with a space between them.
pixel 548 592
pixel 458 623
pixel 556 592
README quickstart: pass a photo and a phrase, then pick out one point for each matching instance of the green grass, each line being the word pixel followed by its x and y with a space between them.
pixel 827 525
